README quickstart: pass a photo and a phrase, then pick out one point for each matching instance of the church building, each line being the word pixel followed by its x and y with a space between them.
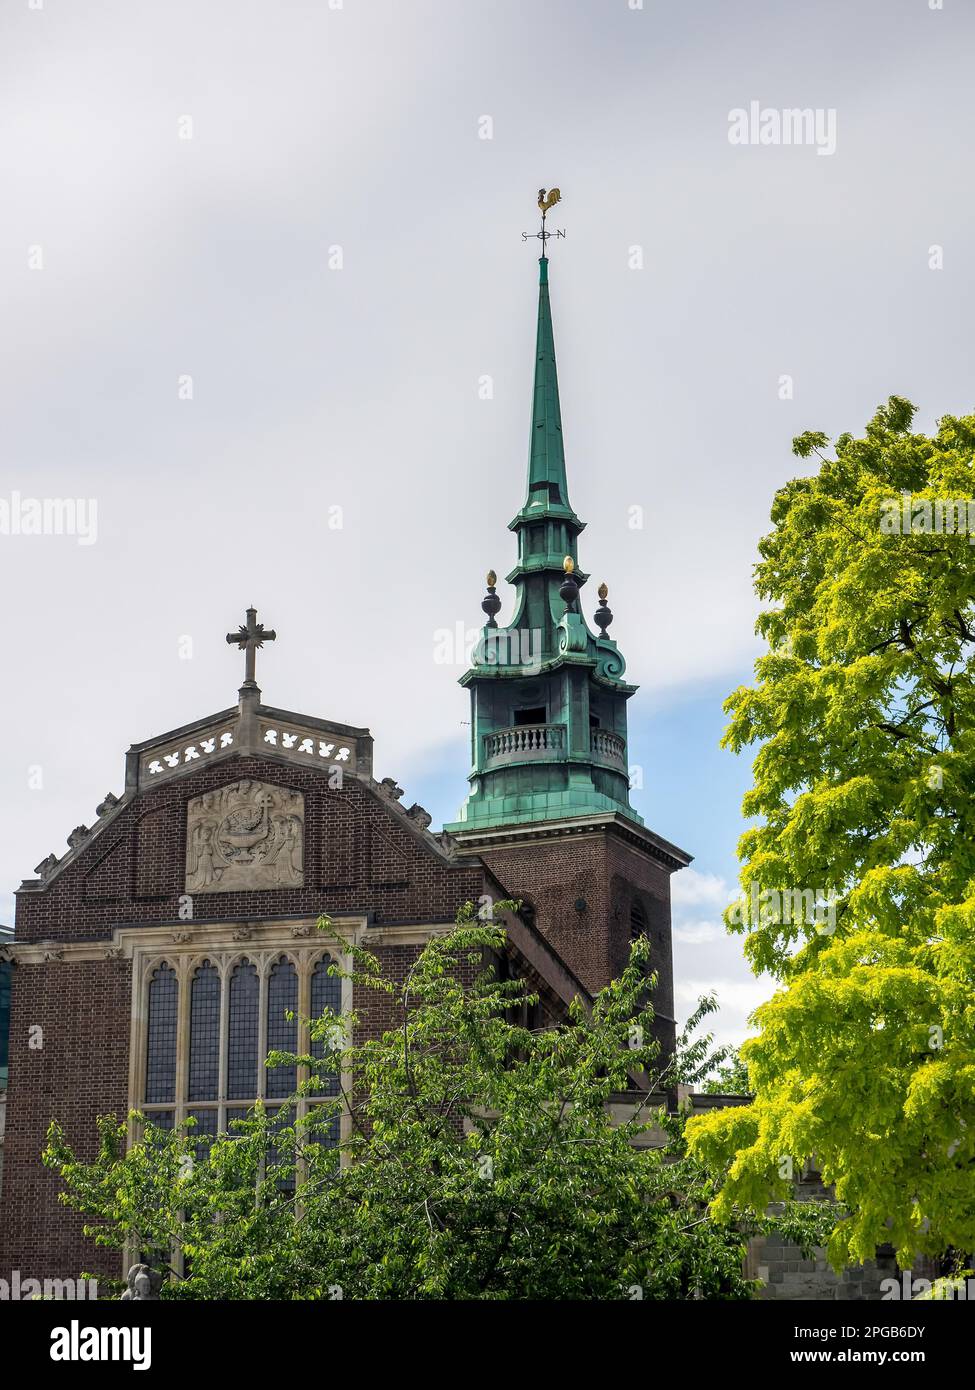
pixel 155 962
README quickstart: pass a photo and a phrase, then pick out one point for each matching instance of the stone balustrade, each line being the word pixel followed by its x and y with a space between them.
pixel 524 743
pixel 607 745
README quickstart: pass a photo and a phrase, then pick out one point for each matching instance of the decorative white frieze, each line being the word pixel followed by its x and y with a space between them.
pixel 162 760
pixel 249 835
pixel 301 743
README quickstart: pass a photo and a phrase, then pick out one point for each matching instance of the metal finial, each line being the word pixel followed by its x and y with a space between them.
pixel 490 603
pixel 569 588
pixel 603 616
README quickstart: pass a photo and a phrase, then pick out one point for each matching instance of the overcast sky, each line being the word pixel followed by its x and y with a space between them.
pixel 334 260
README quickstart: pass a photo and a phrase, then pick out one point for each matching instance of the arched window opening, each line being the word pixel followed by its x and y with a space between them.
pixel 204 1080
pixel 162 1029
pixel 326 993
pixel 243 1032
pixel 204 1052
pixel 282 1032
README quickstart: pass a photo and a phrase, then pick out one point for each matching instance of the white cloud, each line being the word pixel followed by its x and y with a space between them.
pixel 737 999
pixel 690 888
pixel 698 932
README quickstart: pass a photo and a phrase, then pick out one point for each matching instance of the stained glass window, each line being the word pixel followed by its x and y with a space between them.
pixel 162 1119
pixel 284 1153
pixel 242 1032
pixel 161 1059
pixel 282 1033
pixel 188 1056
pixel 326 993
pixel 203 1131
pixel 205 1033
pixel 326 1128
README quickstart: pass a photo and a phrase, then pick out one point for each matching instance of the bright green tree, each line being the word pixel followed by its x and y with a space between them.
pixel 858 875
pixel 483 1162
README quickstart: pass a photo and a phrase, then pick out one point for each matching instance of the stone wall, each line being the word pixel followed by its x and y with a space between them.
pixel 790 1276
pixel 787 1276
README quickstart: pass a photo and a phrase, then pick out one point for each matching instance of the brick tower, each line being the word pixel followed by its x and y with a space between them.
pixel 548 808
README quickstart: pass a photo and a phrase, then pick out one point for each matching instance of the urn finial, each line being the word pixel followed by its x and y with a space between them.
pixel 490 603
pixel 603 615
pixel 569 589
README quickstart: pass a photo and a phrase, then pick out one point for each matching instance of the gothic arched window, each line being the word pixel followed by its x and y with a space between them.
pixel 282 1032
pixel 162 1028
pixel 243 1032
pixel 204 1079
pixel 204 1051
pixel 326 993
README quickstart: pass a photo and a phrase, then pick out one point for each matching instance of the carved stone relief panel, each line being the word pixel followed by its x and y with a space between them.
pixel 246 836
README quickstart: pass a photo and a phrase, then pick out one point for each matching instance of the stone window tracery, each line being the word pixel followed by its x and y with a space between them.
pixel 243 1038
pixel 282 1031
pixel 204 1032
pixel 210 1021
pixel 163 1007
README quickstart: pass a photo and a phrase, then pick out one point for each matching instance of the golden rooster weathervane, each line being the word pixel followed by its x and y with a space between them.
pixel 547 198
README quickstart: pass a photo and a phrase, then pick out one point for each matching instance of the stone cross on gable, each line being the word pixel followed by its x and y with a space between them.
pixel 249 638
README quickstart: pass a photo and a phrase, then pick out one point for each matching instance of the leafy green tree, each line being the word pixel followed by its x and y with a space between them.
pixel 858 875
pixel 702 1067
pixel 730 1078
pixel 482 1161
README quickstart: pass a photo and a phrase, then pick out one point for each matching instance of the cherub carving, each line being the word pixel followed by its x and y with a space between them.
pixel 143 1285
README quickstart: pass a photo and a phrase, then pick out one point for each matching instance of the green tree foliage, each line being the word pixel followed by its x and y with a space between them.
pixel 701 1066
pixel 730 1079
pixel 863 795
pixel 482 1161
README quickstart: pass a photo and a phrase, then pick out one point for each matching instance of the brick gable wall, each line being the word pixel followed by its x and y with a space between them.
pixel 359 859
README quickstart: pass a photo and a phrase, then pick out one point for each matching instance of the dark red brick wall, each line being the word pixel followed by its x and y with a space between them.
pixel 609 874
pixel 358 859
pixel 551 875
pixel 84 1011
pixel 79 1073
pixel 635 876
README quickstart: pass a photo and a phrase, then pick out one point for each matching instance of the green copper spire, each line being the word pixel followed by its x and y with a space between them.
pixel 547 527
pixel 548 489
pixel 548 699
